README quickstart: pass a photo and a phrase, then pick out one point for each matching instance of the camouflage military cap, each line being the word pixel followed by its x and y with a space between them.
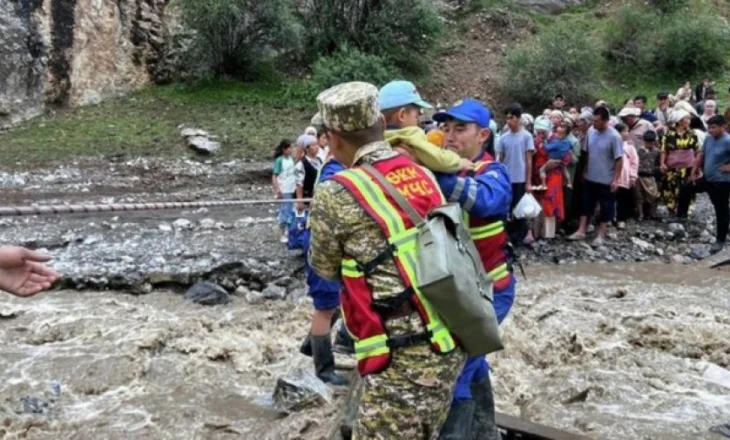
pixel 317 120
pixel 348 107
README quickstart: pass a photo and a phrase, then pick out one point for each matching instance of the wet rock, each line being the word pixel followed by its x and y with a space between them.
pixel 716 374
pixel 641 244
pixel 678 259
pixel 299 390
pixel 273 291
pixel 34 405
pixel 723 430
pixel 241 291
pixel 254 297
pixel 707 237
pixel 182 223
pixel 203 145
pixel 207 223
pixel 677 230
pixel 192 132
pixel 699 251
pixel 10 314
pixel 284 281
pixel 207 294
pixel 298 294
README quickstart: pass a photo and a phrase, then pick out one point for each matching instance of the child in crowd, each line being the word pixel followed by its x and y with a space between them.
pixel 646 190
pixel 629 174
pixel 284 183
pixel 401 105
pixel 557 149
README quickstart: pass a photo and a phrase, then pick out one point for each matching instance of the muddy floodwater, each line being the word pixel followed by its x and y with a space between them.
pixel 610 351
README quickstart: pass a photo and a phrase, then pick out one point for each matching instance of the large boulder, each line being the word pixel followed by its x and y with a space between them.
pixel 75 52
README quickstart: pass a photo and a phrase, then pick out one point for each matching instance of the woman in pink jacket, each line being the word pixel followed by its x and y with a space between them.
pixel 629 174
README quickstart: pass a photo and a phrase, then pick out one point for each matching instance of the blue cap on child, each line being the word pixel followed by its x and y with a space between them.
pixel 466 110
pixel 397 94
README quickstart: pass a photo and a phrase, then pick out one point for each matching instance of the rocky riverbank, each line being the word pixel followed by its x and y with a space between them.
pixel 589 347
pixel 237 246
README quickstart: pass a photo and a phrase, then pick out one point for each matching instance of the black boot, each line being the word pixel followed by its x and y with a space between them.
pixel 485 424
pixel 324 361
pixel 306 347
pixel 343 342
pixel 459 423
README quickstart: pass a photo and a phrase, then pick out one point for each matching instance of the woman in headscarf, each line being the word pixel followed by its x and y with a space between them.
pixel 556 118
pixel 679 148
pixel 552 198
pixel 710 110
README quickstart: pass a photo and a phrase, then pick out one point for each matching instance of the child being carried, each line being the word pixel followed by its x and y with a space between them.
pixel 556 149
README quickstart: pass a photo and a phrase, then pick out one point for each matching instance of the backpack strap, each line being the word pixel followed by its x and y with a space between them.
pixel 416 218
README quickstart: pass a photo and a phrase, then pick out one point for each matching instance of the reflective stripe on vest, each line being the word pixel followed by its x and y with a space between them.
pixel 485 232
pixel 404 242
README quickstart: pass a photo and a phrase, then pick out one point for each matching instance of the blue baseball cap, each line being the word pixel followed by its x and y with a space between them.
pixel 397 94
pixel 466 110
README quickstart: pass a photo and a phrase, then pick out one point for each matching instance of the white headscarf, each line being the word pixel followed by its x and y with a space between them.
pixel 311 131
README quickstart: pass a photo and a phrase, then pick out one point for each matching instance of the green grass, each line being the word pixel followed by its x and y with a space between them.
pixel 248 118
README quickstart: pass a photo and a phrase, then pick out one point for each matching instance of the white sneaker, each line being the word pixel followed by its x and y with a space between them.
pixel 284 239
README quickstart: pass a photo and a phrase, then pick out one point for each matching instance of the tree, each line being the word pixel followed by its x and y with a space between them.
pixel 233 35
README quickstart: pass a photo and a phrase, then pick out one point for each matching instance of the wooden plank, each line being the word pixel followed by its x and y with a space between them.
pixel 533 431
pixel 345 420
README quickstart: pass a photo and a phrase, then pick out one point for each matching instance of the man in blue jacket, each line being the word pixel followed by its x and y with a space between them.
pixel 485 194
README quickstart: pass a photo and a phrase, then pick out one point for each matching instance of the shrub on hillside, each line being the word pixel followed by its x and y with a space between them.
pixel 559 61
pixel 668 6
pixel 697 44
pixel 350 64
pixel 628 36
pixel 232 36
pixel 402 32
pixel 675 43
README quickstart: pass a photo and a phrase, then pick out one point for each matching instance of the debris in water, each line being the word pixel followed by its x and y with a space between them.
pixel 578 398
pixel 722 430
pixel 9 314
pixel 207 294
pixel 34 405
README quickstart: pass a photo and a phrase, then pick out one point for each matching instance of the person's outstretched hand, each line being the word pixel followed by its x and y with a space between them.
pixel 22 272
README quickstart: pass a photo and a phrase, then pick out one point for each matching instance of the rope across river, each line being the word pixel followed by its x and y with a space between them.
pixel 15 211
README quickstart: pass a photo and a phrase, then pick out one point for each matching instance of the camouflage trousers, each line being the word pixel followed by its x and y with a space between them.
pixel 411 398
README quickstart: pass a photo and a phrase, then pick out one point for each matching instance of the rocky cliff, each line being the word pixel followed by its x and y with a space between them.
pixel 75 52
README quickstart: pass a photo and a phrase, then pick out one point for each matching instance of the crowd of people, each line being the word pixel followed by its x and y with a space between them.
pixel 641 159
pixel 577 162
pixel 581 162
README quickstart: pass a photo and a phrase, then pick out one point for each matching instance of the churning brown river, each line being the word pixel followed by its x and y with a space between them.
pixel 613 352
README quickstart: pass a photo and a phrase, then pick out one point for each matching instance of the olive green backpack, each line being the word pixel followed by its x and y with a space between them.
pixel 450 273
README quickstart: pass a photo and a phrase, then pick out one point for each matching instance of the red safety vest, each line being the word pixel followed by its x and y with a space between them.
pixel 362 313
pixel 491 240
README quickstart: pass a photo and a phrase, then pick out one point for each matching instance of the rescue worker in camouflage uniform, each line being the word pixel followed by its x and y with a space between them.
pixel 408 361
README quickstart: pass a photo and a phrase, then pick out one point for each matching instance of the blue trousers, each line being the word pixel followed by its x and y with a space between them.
pixel 477 368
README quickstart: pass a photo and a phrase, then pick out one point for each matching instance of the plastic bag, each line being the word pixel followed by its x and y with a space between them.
pixel 527 207
pixel 298 231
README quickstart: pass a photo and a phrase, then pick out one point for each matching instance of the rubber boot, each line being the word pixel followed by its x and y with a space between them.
pixel 458 425
pixel 306 347
pixel 343 342
pixel 485 424
pixel 324 361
